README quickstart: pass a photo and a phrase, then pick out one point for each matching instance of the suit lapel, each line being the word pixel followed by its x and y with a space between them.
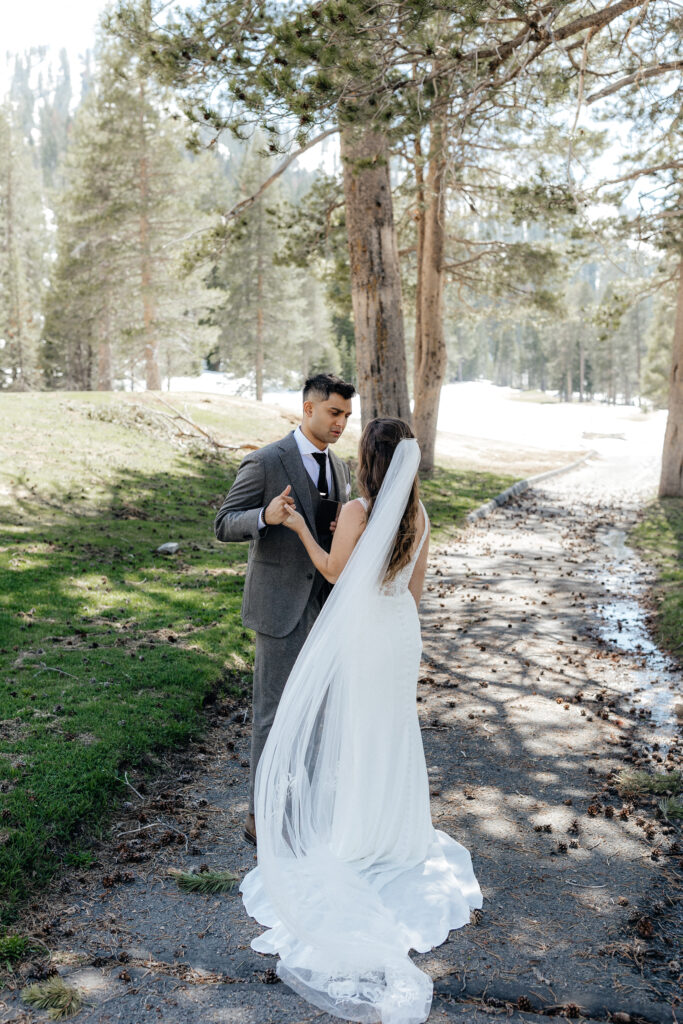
pixel 290 457
pixel 339 477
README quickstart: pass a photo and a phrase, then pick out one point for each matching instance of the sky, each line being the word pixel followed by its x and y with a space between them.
pixel 46 23
pixel 49 23
pixel 72 25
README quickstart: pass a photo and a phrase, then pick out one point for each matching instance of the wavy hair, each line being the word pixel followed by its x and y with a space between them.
pixel 378 441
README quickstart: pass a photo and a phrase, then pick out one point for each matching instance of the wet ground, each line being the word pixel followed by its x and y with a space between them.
pixel 539 683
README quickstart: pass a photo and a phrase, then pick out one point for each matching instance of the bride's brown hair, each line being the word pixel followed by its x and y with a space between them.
pixel 377 444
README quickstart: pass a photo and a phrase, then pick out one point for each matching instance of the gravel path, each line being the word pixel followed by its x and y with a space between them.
pixel 528 709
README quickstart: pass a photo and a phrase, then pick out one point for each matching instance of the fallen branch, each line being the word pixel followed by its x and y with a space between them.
pixel 46 668
pixel 210 438
pixel 125 775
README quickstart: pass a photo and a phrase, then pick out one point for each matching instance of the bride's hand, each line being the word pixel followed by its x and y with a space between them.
pixel 293 520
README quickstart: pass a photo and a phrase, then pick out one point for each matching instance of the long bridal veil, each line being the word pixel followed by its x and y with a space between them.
pixel 340 946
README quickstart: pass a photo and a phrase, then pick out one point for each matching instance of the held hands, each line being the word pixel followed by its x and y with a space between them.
pixel 276 511
pixel 293 520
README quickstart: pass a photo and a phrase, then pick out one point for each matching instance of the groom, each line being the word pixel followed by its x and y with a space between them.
pixel 283 592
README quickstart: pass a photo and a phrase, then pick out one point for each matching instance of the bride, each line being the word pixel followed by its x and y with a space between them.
pixel 351 873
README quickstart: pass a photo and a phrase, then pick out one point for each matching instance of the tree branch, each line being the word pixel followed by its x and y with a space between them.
pixel 244 204
pixel 641 172
pixel 637 76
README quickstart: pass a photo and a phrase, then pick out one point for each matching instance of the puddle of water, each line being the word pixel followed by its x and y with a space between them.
pixel 659 684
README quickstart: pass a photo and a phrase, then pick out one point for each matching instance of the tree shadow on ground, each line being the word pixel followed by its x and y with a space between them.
pixel 526 722
pixel 108 650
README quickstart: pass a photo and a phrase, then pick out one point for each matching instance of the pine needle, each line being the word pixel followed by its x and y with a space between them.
pixel 204 881
pixel 671 808
pixel 632 783
pixel 55 996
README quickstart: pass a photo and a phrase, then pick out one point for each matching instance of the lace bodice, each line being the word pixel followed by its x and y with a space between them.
pixel 399 584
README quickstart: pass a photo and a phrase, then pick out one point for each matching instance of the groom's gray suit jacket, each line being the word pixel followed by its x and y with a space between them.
pixel 280 575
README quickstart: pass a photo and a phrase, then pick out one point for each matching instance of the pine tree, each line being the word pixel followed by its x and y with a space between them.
pixel 314 239
pixel 268 311
pixel 116 305
pixel 53 121
pixel 22 257
pixel 657 363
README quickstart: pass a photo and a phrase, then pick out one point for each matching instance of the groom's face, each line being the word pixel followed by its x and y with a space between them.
pixel 325 420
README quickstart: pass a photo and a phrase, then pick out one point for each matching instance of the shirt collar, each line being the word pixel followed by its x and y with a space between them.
pixel 306 447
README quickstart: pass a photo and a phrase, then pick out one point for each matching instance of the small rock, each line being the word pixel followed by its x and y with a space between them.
pixel 170 548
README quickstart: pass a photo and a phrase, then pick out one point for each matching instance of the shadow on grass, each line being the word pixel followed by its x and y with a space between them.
pixel 108 650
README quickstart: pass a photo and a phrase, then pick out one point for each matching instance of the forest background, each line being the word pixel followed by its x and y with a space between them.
pixel 535 228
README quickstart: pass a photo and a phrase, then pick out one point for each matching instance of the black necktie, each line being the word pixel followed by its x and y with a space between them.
pixel 321 459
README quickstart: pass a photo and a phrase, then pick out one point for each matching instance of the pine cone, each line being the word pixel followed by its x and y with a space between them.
pixel 645 928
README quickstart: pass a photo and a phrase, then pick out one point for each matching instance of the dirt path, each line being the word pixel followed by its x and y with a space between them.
pixel 528 709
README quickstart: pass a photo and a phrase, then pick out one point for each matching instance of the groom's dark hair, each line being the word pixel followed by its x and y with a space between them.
pixel 322 385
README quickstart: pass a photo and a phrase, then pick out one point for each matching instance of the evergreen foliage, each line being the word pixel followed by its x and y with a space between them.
pixel 116 308
pixel 22 256
pixel 273 326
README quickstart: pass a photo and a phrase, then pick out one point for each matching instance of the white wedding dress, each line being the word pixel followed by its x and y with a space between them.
pixel 351 873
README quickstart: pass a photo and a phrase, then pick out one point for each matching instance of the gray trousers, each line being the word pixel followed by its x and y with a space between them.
pixel 273 661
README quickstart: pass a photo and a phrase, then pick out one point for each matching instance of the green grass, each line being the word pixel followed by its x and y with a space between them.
pixel 109 651
pixel 14 948
pixel 659 538
pixel 451 493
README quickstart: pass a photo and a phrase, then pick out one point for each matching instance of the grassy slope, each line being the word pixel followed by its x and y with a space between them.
pixel 108 650
pixel 659 537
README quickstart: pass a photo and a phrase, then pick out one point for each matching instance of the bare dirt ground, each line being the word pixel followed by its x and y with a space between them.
pixel 528 710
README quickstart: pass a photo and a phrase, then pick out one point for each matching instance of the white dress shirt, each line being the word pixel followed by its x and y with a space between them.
pixel 306 449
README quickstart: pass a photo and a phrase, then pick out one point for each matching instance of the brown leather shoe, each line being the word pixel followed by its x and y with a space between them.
pixel 250 830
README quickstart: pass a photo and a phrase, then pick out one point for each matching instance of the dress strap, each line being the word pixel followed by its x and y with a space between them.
pixel 424 532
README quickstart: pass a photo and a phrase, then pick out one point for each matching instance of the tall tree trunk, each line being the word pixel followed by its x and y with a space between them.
pixel 259 340
pixel 258 355
pixel 14 283
pixel 636 313
pixel 419 251
pixel 104 378
pixel 152 372
pixel 104 368
pixel 582 368
pixel 375 275
pixel 430 346
pixel 613 372
pixel 671 479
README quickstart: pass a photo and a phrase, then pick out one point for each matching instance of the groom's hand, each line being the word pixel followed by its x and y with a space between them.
pixel 275 512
